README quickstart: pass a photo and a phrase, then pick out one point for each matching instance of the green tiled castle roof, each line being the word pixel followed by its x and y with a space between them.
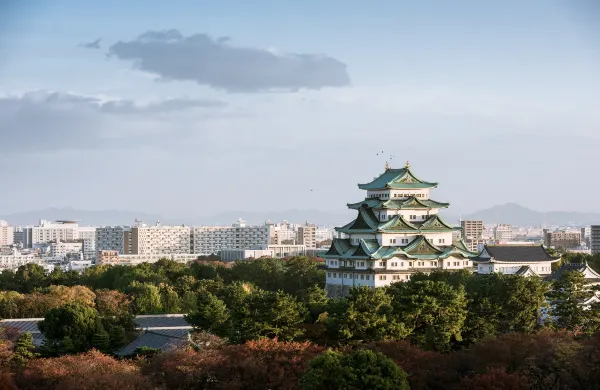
pixel 366 222
pixel 395 204
pixel 396 179
pixel 419 249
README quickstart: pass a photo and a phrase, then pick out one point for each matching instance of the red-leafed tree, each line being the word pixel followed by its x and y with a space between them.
pixel 262 364
pixel 494 379
pixel 89 371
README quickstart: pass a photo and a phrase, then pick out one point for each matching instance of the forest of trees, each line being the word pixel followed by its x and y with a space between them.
pixel 269 323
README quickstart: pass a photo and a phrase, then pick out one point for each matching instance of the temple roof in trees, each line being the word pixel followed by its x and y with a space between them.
pixel 396 204
pixel 401 178
pixel 515 254
pixel 366 222
pixel 587 271
pixel 419 249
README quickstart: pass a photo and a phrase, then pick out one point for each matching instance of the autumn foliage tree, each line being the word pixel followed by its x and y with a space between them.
pixel 91 370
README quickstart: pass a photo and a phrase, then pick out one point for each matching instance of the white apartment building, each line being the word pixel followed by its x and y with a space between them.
pixel 6 234
pixel 208 240
pixel 18 258
pixel 282 251
pixel 61 249
pixel 243 254
pixel 111 238
pixel 112 257
pixel 324 234
pixel 49 231
pixel 63 231
pixel 159 239
pixel 87 235
pixel 503 233
pixel 144 240
pixel 307 235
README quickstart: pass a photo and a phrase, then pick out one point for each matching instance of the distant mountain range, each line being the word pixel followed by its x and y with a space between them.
pixel 87 217
pixel 515 214
pixel 507 213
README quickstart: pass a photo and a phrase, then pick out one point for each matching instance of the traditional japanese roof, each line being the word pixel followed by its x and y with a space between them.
pixel 395 204
pixel 584 268
pixel 366 222
pixel 435 222
pixel 526 271
pixel 396 179
pixel 420 249
pixel 397 224
pixel 169 328
pixel 165 339
pixel 515 254
pixel 422 246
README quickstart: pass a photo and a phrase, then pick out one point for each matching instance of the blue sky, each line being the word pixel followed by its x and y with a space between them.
pixel 495 100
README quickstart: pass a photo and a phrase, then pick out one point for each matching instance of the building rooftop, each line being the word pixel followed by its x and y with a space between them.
pixel 584 268
pixel 515 253
pixel 157 331
pixel 401 178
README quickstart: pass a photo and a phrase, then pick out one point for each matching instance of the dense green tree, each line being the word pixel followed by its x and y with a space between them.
pixel 568 309
pixel 267 314
pixel 66 278
pixel 433 311
pixel 146 298
pixel 362 369
pixel 23 350
pixel 211 314
pixel 265 273
pixel 70 328
pixel 315 300
pixel 501 303
pixel 10 304
pixel 188 302
pixel 100 340
pixel 366 314
pixel 185 284
pixel 234 294
pixel 169 299
pixel 29 277
pixel 300 273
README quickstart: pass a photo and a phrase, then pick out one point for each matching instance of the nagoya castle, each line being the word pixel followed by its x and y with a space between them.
pixel 397 232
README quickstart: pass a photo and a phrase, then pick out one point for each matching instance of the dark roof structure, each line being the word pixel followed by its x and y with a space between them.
pixel 162 331
pixel 586 270
pixel 160 339
pixel 515 253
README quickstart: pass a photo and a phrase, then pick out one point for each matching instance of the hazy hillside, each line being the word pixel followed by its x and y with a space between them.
pixel 87 217
pixel 518 215
pixel 508 213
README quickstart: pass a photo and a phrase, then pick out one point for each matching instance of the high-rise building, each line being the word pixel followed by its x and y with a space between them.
pixel 503 233
pixel 159 239
pixel 307 235
pixel 142 239
pixel 472 234
pixel 112 238
pixel 595 239
pixel 396 233
pixel 208 240
pixel 562 240
pixel 6 234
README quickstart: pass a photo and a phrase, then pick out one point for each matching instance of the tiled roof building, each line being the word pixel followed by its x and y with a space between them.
pixel 397 232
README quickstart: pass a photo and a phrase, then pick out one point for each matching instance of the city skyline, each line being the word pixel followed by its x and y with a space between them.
pixel 294 105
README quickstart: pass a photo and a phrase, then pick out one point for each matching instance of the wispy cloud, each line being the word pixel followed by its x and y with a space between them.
pixel 218 64
pixel 92 45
